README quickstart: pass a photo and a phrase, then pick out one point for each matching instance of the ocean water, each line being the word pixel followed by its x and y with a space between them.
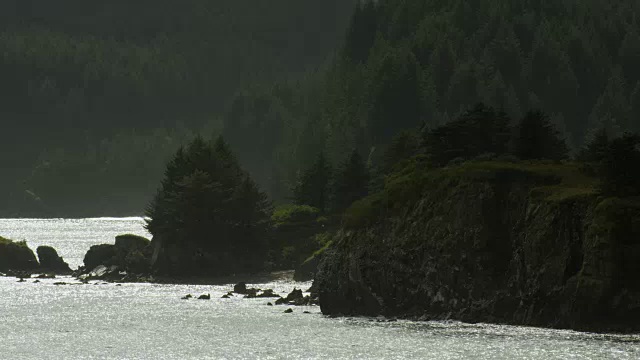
pixel 150 321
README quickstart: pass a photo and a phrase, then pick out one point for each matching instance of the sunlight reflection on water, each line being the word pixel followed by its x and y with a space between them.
pixel 150 321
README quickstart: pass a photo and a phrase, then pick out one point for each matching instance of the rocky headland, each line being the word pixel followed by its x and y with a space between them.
pixel 515 243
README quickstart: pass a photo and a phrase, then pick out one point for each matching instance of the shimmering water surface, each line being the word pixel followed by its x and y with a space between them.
pixel 149 321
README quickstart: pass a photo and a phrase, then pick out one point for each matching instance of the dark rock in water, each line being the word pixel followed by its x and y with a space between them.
pixel 268 294
pixel 118 284
pixel 16 256
pixel 251 293
pixel 280 301
pixel 103 254
pixel 46 276
pixel 306 312
pixel 205 297
pixel 60 283
pixel 36 281
pixel 296 294
pixel 50 261
pixel 22 280
pixel 187 297
pixel 20 274
pixel 269 304
pixel 288 311
pixel 230 294
pixel 240 288
pixel 313 289
pixel 225 296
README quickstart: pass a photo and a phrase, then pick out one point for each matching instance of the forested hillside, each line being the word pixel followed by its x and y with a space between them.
pixel 414 63
pixel 287 80
pixel 93 91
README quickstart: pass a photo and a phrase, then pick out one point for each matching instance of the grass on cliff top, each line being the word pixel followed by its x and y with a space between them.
pixel 6 242
pixel 549 181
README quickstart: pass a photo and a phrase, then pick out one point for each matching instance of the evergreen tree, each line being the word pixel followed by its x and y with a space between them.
pixel 596 148
pixel 208 213
pixel 481 130
pixel 350 183
pixel 313 186
pixel 403 146
pixel 620 169
pixel 537 138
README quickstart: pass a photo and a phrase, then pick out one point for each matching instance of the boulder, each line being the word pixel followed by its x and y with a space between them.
pixel 50 261
pixel 16 256
pixel 240 288
pixel 128 243
pixel 204 297
pixel 295 295
pixel 103 254
pixel 187 297
pixel 288 311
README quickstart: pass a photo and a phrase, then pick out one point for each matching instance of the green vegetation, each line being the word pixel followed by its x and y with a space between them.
pixel 291 214
pixel 208 214
pixel 106 92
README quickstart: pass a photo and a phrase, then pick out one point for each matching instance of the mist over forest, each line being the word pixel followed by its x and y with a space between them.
pixel 96 97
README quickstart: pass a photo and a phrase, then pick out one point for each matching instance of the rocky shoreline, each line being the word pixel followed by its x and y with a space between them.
pixel 485 246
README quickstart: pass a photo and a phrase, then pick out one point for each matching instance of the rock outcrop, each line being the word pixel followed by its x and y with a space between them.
pixel 129 254
pixel 16 256
pixel 490 244
pixel 51 262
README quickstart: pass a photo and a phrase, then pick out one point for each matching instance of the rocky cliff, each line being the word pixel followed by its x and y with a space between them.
pixel 528 244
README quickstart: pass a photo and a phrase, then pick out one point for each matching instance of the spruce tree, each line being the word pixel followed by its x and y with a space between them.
pixel 537 138
pixel 208 214
pixel 350 183
pixel 620 169
pixel 596 148
pixel 481 130
pixel 313 186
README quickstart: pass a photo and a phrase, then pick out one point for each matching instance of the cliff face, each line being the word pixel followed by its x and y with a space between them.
pixel 490 244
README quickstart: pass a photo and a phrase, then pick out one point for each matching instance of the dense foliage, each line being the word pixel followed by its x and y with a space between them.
pixel 211 210
pixel 80 78
pixel 415 63
pixel 404 65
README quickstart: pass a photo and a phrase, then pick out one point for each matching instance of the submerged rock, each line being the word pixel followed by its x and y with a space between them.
pixel 51 261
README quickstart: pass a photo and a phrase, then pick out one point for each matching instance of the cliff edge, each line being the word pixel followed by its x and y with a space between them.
pixel 516 243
